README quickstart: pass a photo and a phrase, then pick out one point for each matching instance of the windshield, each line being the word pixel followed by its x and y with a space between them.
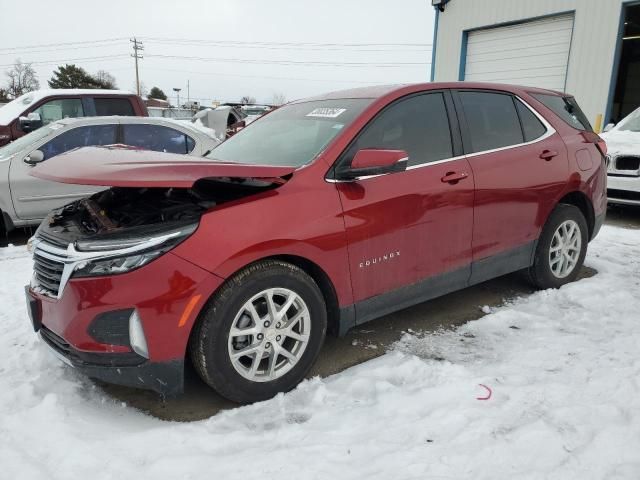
pixel 631 123
pixel 27 140
pixel 292 135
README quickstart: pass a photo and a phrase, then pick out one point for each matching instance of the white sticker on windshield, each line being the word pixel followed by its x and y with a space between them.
pixel 326 112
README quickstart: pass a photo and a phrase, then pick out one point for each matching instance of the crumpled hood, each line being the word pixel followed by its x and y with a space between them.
pixel 622 142
pixel 118 167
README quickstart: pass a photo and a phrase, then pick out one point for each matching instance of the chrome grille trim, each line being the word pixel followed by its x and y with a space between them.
pixel 70 258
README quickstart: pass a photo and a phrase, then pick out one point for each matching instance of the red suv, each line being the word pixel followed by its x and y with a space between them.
pixel 322 215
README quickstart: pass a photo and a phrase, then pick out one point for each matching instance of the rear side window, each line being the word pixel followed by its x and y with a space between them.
pixel 157 138
pixel 566 108
pixel 419 125
pixel 532 127
pixel 492 120
pixel 80 137
pixel 113 106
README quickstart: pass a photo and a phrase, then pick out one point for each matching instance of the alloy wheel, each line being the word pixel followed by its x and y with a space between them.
pixel 269 334
pixel 564 252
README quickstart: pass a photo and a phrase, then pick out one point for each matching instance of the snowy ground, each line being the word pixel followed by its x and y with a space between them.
pixel 564 368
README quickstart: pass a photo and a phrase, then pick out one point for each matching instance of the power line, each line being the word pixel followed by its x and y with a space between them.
pixel 307 63
pixel 61 44
pixel 85 59
pixel 243 42
pixel 203 43
pixel 57 49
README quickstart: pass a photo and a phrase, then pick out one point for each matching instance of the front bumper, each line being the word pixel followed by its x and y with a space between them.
pixel 167 295
pixel 623 190
pixel 128 369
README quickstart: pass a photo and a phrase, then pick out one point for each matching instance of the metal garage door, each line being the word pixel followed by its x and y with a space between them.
pixel 534 53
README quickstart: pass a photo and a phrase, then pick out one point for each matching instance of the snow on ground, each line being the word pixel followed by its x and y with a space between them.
pixel 563 365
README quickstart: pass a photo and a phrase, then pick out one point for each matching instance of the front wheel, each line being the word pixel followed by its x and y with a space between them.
pixel 261 332
pixel 561 248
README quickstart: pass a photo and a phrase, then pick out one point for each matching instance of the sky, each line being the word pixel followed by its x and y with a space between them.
pixel 289 47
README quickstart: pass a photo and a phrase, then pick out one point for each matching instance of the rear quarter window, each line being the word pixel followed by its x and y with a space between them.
pixel 566 108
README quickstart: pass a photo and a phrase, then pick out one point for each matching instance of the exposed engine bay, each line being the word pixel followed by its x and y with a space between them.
pixel 121 211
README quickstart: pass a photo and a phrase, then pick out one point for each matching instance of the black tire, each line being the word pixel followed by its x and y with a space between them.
pixel 540 273
pixel 4 235
pixel 208 344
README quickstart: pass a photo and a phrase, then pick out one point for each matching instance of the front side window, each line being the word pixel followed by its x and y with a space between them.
pixel 492 120
pixel 566 108
pixel 418 124
pixel 90 136
pixel 157 138
pixel 54 110
pixel 113 106
pixel 292 135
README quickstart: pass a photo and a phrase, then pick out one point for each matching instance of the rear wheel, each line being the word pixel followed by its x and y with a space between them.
pixel 561 248
pixel 261 332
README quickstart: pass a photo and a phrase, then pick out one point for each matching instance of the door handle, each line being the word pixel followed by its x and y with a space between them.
pixel 548 154
pixel 454 177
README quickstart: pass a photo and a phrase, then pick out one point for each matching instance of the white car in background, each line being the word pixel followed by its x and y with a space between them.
pixel 26 200
pixel 623 172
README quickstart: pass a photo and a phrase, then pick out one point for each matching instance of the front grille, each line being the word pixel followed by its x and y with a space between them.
pixel 628 163
pixel 51 264
pixel 47 273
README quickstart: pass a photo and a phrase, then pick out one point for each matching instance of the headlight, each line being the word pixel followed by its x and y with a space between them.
pixel 120 255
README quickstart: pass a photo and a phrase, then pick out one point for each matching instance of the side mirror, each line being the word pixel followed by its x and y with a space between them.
pixel 368 162
pixel 608 127
pixel 34 157
pixel 31 122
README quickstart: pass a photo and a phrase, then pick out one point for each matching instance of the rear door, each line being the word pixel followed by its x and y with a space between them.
pixel 520 167
pixel 409 226
pixel 32 197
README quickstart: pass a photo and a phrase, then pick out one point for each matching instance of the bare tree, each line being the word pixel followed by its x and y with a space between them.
pixel 21 79
pixel 247 100
pixel 278 99
pixel 105 79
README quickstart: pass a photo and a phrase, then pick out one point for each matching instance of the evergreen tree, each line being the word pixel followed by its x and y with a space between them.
pixel 157 93
pixel 72 76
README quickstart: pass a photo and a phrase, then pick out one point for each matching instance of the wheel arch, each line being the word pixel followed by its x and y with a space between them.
pixel 317 273
pixel 581 201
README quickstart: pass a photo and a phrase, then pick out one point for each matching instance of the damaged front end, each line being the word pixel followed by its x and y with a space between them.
pixel 122 229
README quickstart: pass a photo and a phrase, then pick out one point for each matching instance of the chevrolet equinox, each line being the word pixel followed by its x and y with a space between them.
pixel 320 216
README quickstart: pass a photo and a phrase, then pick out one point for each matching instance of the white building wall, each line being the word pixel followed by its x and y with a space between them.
pixel 592 49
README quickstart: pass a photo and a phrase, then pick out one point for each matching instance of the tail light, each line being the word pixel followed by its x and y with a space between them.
pixel 601 145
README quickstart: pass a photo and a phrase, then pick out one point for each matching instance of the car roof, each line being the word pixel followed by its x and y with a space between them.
pixel 379 91
pixel 15 107
pixel 169 122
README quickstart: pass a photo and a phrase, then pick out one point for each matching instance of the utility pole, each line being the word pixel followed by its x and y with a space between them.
pixel 188 92
pixel 177 90
pixel 137 47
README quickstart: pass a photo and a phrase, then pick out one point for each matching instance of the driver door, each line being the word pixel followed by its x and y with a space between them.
pixel 34 198
pixel 409 233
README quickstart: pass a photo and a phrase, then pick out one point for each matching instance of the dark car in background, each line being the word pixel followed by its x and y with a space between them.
pixel 41 107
